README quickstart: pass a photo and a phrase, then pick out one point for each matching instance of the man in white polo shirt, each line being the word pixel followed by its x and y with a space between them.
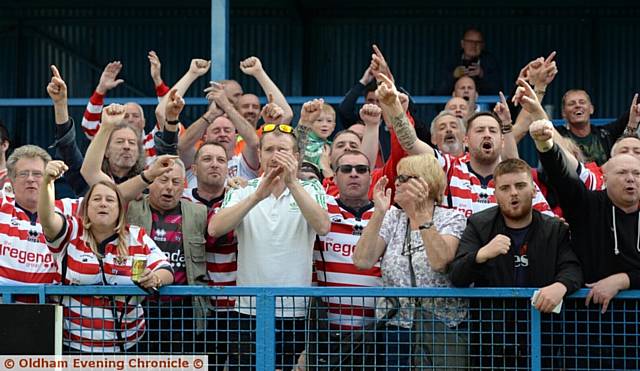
pixel 276 219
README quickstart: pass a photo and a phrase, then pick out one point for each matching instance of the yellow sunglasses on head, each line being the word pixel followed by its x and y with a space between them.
pixel 267 128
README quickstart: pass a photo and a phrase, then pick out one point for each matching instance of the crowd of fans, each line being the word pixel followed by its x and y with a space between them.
pixel 242 196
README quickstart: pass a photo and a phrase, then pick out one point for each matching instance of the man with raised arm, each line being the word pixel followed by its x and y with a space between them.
pixel 285 214
pixel 470 184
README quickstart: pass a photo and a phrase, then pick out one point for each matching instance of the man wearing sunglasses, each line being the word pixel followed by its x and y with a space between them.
pixel 349 214
pixel 276 219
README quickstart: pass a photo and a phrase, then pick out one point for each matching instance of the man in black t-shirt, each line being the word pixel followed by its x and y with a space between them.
pixel 513 245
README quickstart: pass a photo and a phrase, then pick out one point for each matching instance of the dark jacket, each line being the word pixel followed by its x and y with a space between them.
pixel 549 251
pixel 490 83
pixel 590 216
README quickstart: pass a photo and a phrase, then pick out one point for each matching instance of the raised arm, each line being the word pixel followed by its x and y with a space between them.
pixel 370 245
pixel 347 107
pixel 65 144
pixel 510 148
pixel 243 127
pixel 371 116
pixel 393 110
pixel 166 140
pixel 253 67
pixel 51 222
pixel 92 166
pixel 197 68
pixel 308 115
pixel 108 80
pixel 131 188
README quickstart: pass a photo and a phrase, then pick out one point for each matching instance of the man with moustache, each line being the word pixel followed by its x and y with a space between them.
pixel 512 245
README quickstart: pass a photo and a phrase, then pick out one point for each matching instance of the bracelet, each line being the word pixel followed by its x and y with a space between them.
pixel 144 178
pixel 630 131
pixel 173 122
pixel 540 92
pixel 506 128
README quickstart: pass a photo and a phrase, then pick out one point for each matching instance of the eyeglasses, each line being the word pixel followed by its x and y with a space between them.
pixel 287 129
pixel 25 174
pixel 360 169
pixel 405 178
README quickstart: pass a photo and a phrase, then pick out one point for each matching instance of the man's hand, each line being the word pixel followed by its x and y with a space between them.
pixel 310 112
pixel 379 64
pixel 271 113
pixel 265 188
pixel 502 111
pixel 542 72
pixel 215 93
pixel 634 113
pixel 382 195
pixel 108 79
pixel 251 66
pixel 604 290
pixel 549 297
pixel 199 67
pixel 542 134
pixel 155 67
pixel 162 165
pixel 113 115
pixel 498 246
pixel 237 182
pixel 371 114
pixel 57 88
pixel 386 92
pixel 175 104
pixel 54 170
pixel 289 166
pixel 526 97
pixel 367 77
pixel 475 70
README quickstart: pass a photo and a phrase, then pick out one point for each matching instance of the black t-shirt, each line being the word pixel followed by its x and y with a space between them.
pixel 519 251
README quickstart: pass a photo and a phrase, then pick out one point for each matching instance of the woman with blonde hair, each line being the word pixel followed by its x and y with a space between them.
pixel 97 248
pixel 416 242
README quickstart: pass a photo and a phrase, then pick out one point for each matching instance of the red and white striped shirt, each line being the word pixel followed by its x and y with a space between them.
pixel 591 175
pixel 90 322
pixel 222 253
pixel 24 256
pixel 333 255
pixel 467 193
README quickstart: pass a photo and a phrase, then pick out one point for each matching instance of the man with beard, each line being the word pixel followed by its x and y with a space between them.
pixel 512 245
pixel 249 108
pixel 447 133
pixel 470 184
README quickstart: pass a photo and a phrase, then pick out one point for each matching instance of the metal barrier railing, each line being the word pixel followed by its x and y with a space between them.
pixel 495 328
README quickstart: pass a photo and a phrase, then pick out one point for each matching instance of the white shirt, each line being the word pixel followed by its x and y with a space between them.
pixel 275 245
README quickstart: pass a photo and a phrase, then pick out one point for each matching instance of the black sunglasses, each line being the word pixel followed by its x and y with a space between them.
pixel 360 169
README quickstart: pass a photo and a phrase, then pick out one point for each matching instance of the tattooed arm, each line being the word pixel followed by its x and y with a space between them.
pixel 394 113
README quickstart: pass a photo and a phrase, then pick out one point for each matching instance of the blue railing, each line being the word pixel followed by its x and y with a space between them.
pixel 266 304
pixel 294 100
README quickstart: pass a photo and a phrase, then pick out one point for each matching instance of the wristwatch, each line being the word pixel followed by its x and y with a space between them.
pixel 426 225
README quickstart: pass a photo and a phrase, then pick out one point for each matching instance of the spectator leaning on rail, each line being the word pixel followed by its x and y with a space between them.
pixel 97 248
pixel 416 242
pixel 512 245
pixel 278 211
pixel 604 228
pixel 336 317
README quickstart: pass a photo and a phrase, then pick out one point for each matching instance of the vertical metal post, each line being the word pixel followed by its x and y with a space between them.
pixel 219 39
pixel 265 331
pixel 536 329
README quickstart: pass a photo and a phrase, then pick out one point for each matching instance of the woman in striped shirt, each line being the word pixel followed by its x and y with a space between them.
pixel 97 248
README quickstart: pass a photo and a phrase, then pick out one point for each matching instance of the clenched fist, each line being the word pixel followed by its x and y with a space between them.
pixel 251 66
pixel 498 246
pixel 370 114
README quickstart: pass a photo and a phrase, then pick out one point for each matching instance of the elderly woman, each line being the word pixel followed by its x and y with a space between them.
pixel 416 241
pixel 97 248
